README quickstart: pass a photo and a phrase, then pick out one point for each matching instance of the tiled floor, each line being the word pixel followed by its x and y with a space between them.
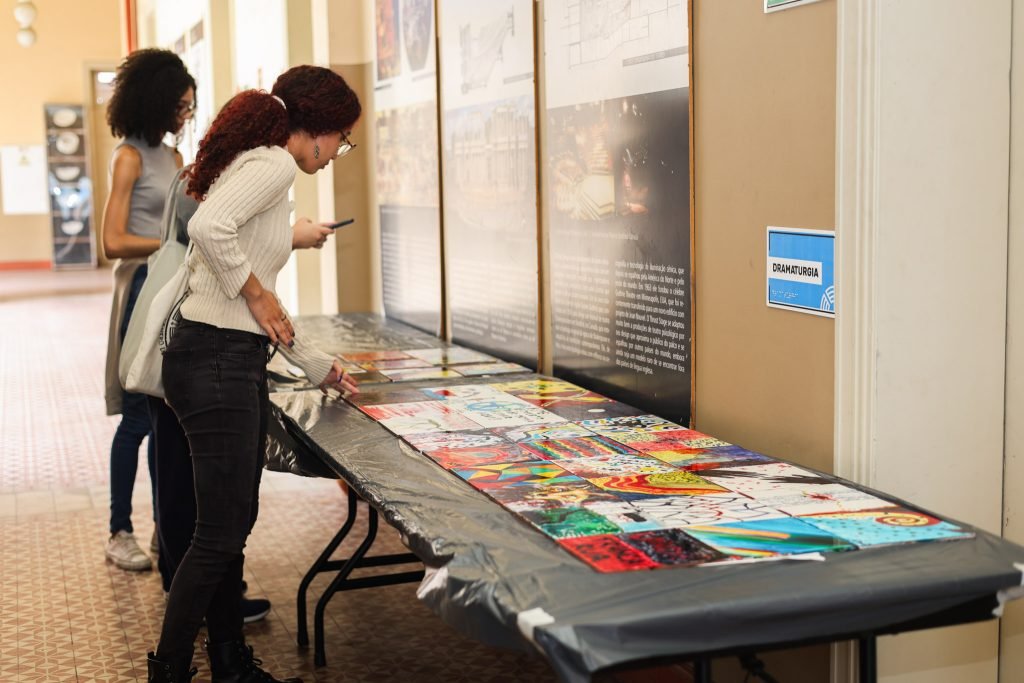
pixel 67 615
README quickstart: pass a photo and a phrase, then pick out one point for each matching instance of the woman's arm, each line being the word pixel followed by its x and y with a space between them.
pixel 117 241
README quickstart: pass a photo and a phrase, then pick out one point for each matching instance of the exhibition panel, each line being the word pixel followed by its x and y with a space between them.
pixel 408 189
pixel 489 162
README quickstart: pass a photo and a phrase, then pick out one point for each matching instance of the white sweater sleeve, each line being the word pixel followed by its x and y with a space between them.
pixel 314 362
pixel 256 185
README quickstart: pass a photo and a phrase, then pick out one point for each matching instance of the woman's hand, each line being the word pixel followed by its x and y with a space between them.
pixel 339 380
pixel 267 312
pixel 308 235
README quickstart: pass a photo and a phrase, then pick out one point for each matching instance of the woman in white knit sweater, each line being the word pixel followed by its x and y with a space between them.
pixel 215 365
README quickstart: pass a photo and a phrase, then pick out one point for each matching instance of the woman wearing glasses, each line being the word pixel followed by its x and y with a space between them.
pixel 214 368
pixel 153 95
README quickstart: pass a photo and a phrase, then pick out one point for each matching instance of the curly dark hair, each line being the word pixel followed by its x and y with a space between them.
pixel 316 101
pixel 148 86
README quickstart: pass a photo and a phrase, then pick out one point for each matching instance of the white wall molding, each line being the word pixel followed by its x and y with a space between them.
pixel 857 210
pixel 922 135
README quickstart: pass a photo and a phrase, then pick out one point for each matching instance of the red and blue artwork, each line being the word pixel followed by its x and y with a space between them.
pixel 887 526
pixel 768 538
pixel 608 553
pixel 573 449
pixel 500 475
pixel 673 548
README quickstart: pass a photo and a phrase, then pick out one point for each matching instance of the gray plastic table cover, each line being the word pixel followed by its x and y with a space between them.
pixel 498 580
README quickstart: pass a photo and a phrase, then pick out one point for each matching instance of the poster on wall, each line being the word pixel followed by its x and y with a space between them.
pixel 23 188
pixel 70 188
pixel 617 198
pixel 408 182
pixel 490 176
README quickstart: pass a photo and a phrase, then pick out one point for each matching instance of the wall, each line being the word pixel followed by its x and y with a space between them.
pixel 764 117
pixel 77 32
pixel 1012 629
pixel 921 336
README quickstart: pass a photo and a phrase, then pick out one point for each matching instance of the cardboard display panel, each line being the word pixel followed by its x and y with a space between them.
pixel 617 199
pixel 490 175
pixel 407 168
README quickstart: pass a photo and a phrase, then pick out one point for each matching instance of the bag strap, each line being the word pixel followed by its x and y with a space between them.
pixel 169 220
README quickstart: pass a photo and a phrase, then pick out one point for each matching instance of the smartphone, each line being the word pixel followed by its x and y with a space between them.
pixel 341 224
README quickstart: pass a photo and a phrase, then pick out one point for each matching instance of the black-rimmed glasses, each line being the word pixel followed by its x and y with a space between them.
pixel 345 147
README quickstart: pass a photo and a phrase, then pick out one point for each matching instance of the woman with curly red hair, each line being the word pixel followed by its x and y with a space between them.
pixel 214 368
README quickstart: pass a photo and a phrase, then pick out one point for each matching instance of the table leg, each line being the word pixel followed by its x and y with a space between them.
pixel 867 658
pixel 319 655
pixel 702 670
pixel 319 566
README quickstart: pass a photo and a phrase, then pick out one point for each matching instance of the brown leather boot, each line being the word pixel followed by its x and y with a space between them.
pixel 232 662
pixel 163 671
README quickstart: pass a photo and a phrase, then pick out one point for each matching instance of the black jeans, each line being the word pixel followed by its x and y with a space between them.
pixel 216 383
pixel 175 499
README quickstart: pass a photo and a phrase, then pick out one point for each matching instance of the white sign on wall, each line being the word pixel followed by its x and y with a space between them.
pixel 23 179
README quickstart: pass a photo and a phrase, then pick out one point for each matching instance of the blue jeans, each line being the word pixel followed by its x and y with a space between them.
pixel 216 383
pixel 134 427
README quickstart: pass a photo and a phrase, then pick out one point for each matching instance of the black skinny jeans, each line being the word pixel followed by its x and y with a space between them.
pixel 216 383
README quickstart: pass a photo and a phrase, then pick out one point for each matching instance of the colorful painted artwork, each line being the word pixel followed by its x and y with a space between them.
pixel 435 440
pixel 768 538
pixel 544 432
pixel 510 474
pixel 569 491
pixel 451 356
pixel 665 440
pixel 612 465
pixel 768 478
pixel 418 418
pixel 414 374
pixel 537 386
pixel 379 397
pixel 677 512
pixel 469 457
pixel 672 548
pixel 627 492
pixel 661 484
pixel 370 356
pixel 467 391
pixel 569 522
pixel 623 515
pixel 608 553
pixel 887 526
pixel 485 369
pixel 573 449
pixel 635 423
pixel 395 364
pixel 388 54
pixel 696 459
pixel 572 402
pixel 504 410
pixel 793 490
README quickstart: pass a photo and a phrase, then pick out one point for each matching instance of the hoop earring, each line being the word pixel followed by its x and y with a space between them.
pixel 316 151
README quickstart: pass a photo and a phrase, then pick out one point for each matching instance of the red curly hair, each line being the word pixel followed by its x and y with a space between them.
pixel 316 100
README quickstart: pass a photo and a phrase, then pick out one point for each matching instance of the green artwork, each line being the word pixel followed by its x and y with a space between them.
pixel 570 522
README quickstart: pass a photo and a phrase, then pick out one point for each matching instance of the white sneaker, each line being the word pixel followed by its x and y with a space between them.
pixel 154 543
pixel 124 551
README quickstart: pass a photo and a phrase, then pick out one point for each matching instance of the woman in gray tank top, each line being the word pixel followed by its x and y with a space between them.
pixel 153 95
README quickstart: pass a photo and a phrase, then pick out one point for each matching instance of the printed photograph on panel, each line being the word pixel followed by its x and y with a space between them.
pixel 389 62
pixel 407 172
pixel 417 35
pixel 618 206
pixel 490 223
